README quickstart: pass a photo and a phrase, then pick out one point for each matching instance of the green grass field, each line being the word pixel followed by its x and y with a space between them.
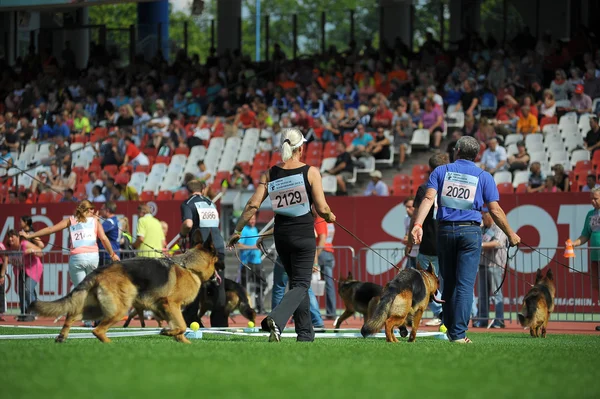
pixel 495 366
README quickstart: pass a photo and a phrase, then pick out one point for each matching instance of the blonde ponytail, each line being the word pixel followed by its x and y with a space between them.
pixel 286 151
pixel 291 140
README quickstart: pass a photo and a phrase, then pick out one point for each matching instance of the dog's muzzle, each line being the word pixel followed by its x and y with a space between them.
pixel 215 278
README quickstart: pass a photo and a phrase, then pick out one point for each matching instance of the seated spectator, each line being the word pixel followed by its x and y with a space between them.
pixel 140 119
pixel 94 181
pixel 236 180
pixel 158 126
pixel 494 157
pixel 550 186
pixel 350 122
pixel 592 138
pixel 469 100
pixel 316 131
pixel 263 119
pixel 560 86
pixel 60 128
pixel 402 132
pixel 433 120
pixel 68 196
pixel 590 183
pixel 67 180
pixel 315 106
pixel 360 142
pixel 536 179
pixel 332 130
pixel 363 115
pixel 23 197
pixel 581 102
pixel 343 168
pixel 63 151
pixel 379 148
pixel 383 117
pixel 415 114
pixel 470 127
pixel 97 195
pixel 520 160
pixel 376 186
pixel 123 192
pixel 548 109
pixel 204 175
pixel 133 154
pixel 349 98
pixel 247 184
pixel 81 123
pixel 25 132
pixel 125 118
pixel 11 138
pixel 528 102
pixel 527 122
pixel 42 184
pixel 191 107
pixel 6 159
pixel 456 135
pixel 245 118
pixel 561 178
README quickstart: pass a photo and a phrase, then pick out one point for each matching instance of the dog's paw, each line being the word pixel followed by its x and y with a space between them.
pixel 59 339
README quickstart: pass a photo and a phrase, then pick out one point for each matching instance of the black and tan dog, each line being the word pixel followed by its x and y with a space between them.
pixel 357 297
pixel 160 285
pixel 404 298
pixel 538 304
pixel 236 298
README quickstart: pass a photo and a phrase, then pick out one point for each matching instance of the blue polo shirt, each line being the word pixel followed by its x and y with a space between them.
pixel 462 190
pixel 250 255
pixel 111 230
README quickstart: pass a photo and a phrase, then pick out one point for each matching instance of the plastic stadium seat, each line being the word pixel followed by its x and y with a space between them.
pixel 329 184
pixel 521 176
pixel 162 159
pixel 150 151
pixel 164 196
pixel 112 170
pixel 147 196
pixel 181 195
pixel 505 188
pixel 502 177
pixel 45 197
pixel 275 159
pixel 143 168
pixel 400 179
pixel 182 151
pixel 582 165
pixel 521 188
pixel 403 190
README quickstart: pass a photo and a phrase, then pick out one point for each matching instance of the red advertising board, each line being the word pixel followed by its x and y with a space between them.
pixel 544 221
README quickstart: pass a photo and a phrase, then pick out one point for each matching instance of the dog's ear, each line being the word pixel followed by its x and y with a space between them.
pixel 208 244
pixel 350 276
pixel 538 276
pixel 196 238
pixel 418 267
pixel 430 268
pixel 550 275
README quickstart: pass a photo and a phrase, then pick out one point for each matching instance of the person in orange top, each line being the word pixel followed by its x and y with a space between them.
pixel 527 122
pixel 326 262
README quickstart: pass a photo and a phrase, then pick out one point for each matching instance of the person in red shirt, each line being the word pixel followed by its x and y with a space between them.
pixel 246 118
pixel 326 262
pixel 133 154
pixel 383 117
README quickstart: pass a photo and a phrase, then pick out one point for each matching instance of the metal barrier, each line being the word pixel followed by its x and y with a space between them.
pixel 576 299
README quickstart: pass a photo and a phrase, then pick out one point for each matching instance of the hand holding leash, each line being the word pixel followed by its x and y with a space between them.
pixel 235 237
pixel 514 239
pixel 115 257
pixel 417 234
pixel 330 217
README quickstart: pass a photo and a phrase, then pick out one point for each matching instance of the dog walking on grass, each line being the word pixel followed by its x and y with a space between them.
pixel 157 284
pixel 404 298
pixel 538 304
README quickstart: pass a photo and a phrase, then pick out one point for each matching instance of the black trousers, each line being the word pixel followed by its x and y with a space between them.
pixel 298 256
pixel 218 317
pixel 255 279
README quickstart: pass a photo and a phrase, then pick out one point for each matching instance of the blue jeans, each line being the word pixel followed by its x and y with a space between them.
pixel 327 263
pixel 280 281
pixel 28 295
pixel 459 250
pixel 489 281
pixel 424 260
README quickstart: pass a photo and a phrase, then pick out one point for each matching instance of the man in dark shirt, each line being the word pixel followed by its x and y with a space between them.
pixel 343 169
pixel 592 139
pixel 469 100
pixel 199 213
pixel 428 247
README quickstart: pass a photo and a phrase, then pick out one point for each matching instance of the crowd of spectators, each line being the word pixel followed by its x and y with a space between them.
pixel 368 101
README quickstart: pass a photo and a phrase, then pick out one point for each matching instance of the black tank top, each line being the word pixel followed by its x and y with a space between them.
pixel 291 200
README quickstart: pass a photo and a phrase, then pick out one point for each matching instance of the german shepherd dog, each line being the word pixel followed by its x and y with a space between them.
pixel 538 304
pixel 160 285
pixel 405 297
pixel 236 299
pixel 357 297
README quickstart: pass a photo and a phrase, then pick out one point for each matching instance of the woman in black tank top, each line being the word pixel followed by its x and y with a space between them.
pixel 293 187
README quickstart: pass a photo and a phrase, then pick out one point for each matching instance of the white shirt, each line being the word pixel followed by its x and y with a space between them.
pixel 491 159
pixel 89 185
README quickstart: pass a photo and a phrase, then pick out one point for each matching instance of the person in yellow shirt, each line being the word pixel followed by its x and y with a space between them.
pixel 81 124
pixel 150 237
pixel 527 122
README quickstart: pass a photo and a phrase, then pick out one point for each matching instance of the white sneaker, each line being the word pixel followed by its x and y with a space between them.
pixel 434 322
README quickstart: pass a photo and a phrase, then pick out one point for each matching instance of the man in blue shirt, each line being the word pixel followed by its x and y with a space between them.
pixel 60 128
pixel 110 224
pixel 461 189
pixel 250 255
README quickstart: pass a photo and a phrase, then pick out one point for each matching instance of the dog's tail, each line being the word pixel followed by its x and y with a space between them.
pixel 380 314
pixel 71 304
pixel 528 310
pixel 244 305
